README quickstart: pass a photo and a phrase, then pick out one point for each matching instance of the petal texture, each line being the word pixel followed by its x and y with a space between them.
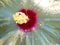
pixel 47 31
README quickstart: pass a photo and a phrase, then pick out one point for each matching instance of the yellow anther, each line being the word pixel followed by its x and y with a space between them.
pixel 20 18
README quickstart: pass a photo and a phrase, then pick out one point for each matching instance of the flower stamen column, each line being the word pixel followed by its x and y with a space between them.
pixel 25 19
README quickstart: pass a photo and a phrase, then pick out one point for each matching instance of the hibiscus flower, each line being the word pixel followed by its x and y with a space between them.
pixel 29 22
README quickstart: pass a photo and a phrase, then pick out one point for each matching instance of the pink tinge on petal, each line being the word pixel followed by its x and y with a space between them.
pixel 32 15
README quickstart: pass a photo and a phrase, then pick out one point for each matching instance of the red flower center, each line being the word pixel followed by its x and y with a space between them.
pixel 32 20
